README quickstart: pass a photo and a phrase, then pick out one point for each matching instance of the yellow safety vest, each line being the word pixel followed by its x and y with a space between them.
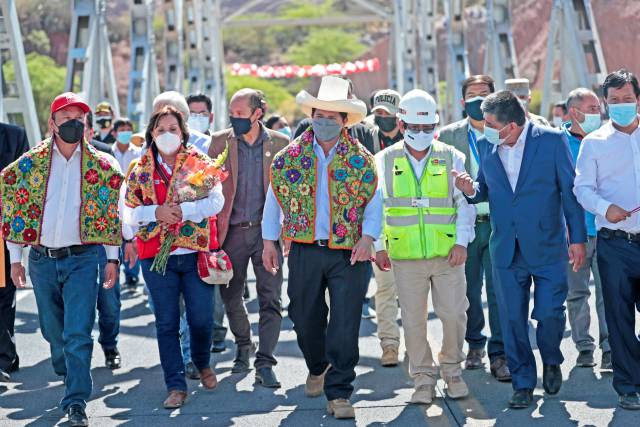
pixel 420 214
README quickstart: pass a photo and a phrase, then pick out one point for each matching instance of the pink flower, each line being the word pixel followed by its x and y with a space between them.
pixel 353 215
pixel 341 230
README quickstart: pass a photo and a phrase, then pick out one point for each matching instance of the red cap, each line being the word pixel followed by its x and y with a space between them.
pixel 68 99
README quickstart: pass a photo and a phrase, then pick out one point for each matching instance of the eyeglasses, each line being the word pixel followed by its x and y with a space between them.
pixel 419 128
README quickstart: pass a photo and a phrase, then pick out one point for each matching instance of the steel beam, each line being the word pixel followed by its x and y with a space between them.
pixel 501 61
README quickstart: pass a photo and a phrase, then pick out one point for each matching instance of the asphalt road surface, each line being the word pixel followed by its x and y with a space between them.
pixel 133 395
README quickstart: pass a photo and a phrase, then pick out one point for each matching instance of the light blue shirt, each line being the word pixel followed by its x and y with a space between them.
pixel 199 140
pixel 272 216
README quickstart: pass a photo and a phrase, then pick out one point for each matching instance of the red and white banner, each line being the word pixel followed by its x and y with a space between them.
pixel 293 71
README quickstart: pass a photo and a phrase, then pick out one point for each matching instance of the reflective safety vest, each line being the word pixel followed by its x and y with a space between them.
pixel 419 214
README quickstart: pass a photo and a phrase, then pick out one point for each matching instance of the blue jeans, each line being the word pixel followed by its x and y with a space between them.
pixel 108 307
pixel 219 330
pixel 66 292
pixel 181 278
pixel 130 273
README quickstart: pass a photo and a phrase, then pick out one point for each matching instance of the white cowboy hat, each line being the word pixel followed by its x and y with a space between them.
pixel 333 95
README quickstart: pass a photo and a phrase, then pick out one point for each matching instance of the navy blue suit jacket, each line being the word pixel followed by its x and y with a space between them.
pixel 535 213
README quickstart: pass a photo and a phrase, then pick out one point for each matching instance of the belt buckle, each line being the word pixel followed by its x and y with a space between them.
pixel 321 243
pixel 48 253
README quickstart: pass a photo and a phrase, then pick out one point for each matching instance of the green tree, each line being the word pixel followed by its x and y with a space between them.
pixel 325 46
pixel 47 81
pixel 274 91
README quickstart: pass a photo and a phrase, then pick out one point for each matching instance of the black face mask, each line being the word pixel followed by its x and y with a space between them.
pixel 473 109
pixel 104 123
pixel 240 125
pixel 71 131
pixel 386 124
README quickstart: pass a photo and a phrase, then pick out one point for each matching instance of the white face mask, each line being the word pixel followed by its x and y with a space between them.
pixel 199 123
pixel 557 121
pixel 419 141
pixel 168 143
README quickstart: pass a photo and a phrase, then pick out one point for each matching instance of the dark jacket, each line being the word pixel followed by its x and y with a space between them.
pixel 275 142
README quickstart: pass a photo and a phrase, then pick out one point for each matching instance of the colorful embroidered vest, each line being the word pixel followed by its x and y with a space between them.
pixel 352 184
pixel 24 186
pixel 141 191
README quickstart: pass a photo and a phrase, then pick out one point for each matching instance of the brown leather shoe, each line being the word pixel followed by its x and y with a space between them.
pixel 341 409
pixel 208 378
pixel 474 358
pixel 500 370
pixel 175 399
pixel 314 386
pixel 389 356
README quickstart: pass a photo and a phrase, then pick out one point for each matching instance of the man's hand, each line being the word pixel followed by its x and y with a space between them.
pixel 457 255
pixel 464 182
pixel 382 261
pixel 130 254
pixel 17 275
pixel 616 214
pixel 110 275
pixel 362 250
pixel 287 248
pixel 169 214
pixel 577 253
pixel 270 258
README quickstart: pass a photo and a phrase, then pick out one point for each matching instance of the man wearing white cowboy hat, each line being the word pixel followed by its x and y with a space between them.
pixel 427 226
pixel 323 198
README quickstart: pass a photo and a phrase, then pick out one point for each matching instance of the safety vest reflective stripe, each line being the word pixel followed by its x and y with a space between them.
pixel 400 221
pixel 414 202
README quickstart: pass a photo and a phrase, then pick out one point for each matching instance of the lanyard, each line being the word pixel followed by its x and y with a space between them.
pixel 474 145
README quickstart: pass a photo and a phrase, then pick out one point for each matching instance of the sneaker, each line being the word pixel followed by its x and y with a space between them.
pixel 585 359
pixel 341 409
pixel 423 395
pixel 77 416
pixel 630 401
pixel 389 356
pixel 605 363
pixel 456 387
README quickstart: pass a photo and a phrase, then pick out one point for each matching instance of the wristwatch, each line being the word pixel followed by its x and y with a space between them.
pixel 113 261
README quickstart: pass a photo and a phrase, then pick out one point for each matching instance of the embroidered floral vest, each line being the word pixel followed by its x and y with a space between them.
pixel 141 192
pixel 23 187
pixel 352 184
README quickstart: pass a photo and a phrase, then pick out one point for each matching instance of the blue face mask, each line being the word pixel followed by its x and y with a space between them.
pixel 493 135
pixel 591 122
pixel 124 137
pixel 285 131
pixel 623 114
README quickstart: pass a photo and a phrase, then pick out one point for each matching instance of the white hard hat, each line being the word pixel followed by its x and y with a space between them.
pixel 417 107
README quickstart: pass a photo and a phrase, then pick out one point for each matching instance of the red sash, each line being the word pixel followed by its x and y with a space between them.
pixel 150 248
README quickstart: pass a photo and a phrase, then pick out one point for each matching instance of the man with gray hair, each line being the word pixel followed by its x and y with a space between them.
pixel 178 101
pixel 583 108
pixel 526 174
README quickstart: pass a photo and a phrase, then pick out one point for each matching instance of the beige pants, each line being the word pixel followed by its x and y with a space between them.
pixel 386 308
pixel 414 279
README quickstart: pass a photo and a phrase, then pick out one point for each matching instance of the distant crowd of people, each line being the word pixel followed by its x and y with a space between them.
pixel 497 200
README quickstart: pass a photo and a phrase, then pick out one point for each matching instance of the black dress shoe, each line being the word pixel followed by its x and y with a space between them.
pixel 191 372
pixel 15 366
pixel 241 362
pixel 551 378
pixel 112 359
pixel 629 401
pixel 267 378
pixel 521 398
pixel 77 416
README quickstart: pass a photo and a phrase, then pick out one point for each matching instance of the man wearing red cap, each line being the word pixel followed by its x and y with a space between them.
pixel 61 198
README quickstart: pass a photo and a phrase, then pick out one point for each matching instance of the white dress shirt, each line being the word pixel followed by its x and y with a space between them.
pixel 608 172
pixel 61 216
pixel 511 157
pixel 191 211
pixel 272 214
pixel 466 214
pixel 124 159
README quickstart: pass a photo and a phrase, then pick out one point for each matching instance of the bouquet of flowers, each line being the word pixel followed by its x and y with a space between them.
pixel 193 180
